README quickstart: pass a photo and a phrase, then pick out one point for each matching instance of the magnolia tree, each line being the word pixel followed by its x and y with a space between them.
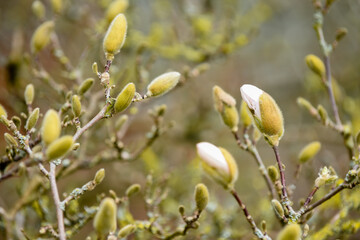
pixel 77 133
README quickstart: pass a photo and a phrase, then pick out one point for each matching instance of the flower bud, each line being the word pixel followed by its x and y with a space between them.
pixel 76 105
pixel 309 151
pixel 315 64
pixel 99 176
pixel 105 218
pixel 32 120
pixel 292 231
pixel 10 140
pixel 163 84
pixel 127 230
pixel 41 36
pixel 3 111
pixel 116 7
pixel 201 196
pixel 277 208
pixel 326 175
pixel 273 173
pixel 38 9
pixel 133 189
pixel 17 121
pixel 182 210
pixel 59 147
pixel 323 114
pixel 57 5
pixel 29 94
pixel 125 98
pixel 218 163
pixel 267 115
pixel 341 33
pixel 302 102
pixel 85 86
pixel 94 67
pixel 51 127
pixel 245 114
pixel 225 104
pixel 115 36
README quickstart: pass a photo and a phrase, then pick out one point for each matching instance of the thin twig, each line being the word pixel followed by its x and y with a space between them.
pixel 310 197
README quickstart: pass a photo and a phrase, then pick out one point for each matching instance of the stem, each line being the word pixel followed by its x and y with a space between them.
pixel 55 194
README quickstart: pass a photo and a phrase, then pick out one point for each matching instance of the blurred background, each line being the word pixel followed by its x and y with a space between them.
pixel 263 43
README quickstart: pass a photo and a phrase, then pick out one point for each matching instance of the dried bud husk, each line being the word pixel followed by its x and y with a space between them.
pixel 76 105
pixel 57 5
pixel 245 114
pixel 29 94
pixel 85 86
pixel 32 120
pixel 105 218
pixel 116 7
pixel 99 176
pixel 323 114
pixel 273 173
pixel 225 104
pixel 341 33
pixel 277 208
pixel 201 196
pixel 3 111
pixel 315 64
pixel 59 147
pixel 10 140
pixel 309 151
pixel 115 36
pixel 133 189
pixel 127 230
pixel 38 9
pixel 125 98
pixel 163 84
pixel 267 114
pixel 292 231
pixel 41 36
pixel 51 127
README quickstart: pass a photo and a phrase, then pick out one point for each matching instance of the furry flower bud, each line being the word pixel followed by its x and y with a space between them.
pixel 59 147
pixel 99 176
pixel 116 7
pixel 10 140
pixel 273 173
pixel 225 104
pixel 125 97
pixel 85 86
pixel 76 105
pixel 309 151
pixel 277 208
pixel 218 163
pixel 115 36
pixel 105 218
pixel 3 111
pixel 57 5
pixel 38 9
pixel 29 94
pixel 41 36
pixel 163 84
pixel 290 232
pixel 267 114
pixel 201 196
pixel 315 64
pixel 32 120
pixel 133 189
pixel 51 127
pixel 127 230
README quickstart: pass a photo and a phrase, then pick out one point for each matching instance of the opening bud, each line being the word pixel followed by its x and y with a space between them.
pixel 32 120
pixel 115 36
pixel 201 197
pixel 59 147
pixel 245 114
pixel 326 175
pixel 105 218
pixel 315 64
pixel 51 127
pixel 41 36
pixel 163 84
pixel 309 151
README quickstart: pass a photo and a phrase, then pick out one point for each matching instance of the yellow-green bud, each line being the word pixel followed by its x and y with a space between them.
pixel 105 218
pixel 323 114
pixel 341 33
pixel 201 196
pixel 10 140
pixel 99 176
pixel 76 105
pixel 121 121
pixel 290 232
pixel 57 5
pixel 3 111
pixel 302 102
pixel 309 151
pixel 277 208
pixel 115 36
pixel 41 36
pixel 182 210
pixel 225 104
pixel 38 9
pixel 273 173
pixel 315 64
pixel 116 7
pixel 133 189
pixel 29 94
pixel 51 127
pixel 267 114
pixel 94 67
pixel 125 98
pixel 245 114
pixel 32 120
pixel 59 147
pixel 127 230
pixel 85 86
pixel 17 121
pixel 163 84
